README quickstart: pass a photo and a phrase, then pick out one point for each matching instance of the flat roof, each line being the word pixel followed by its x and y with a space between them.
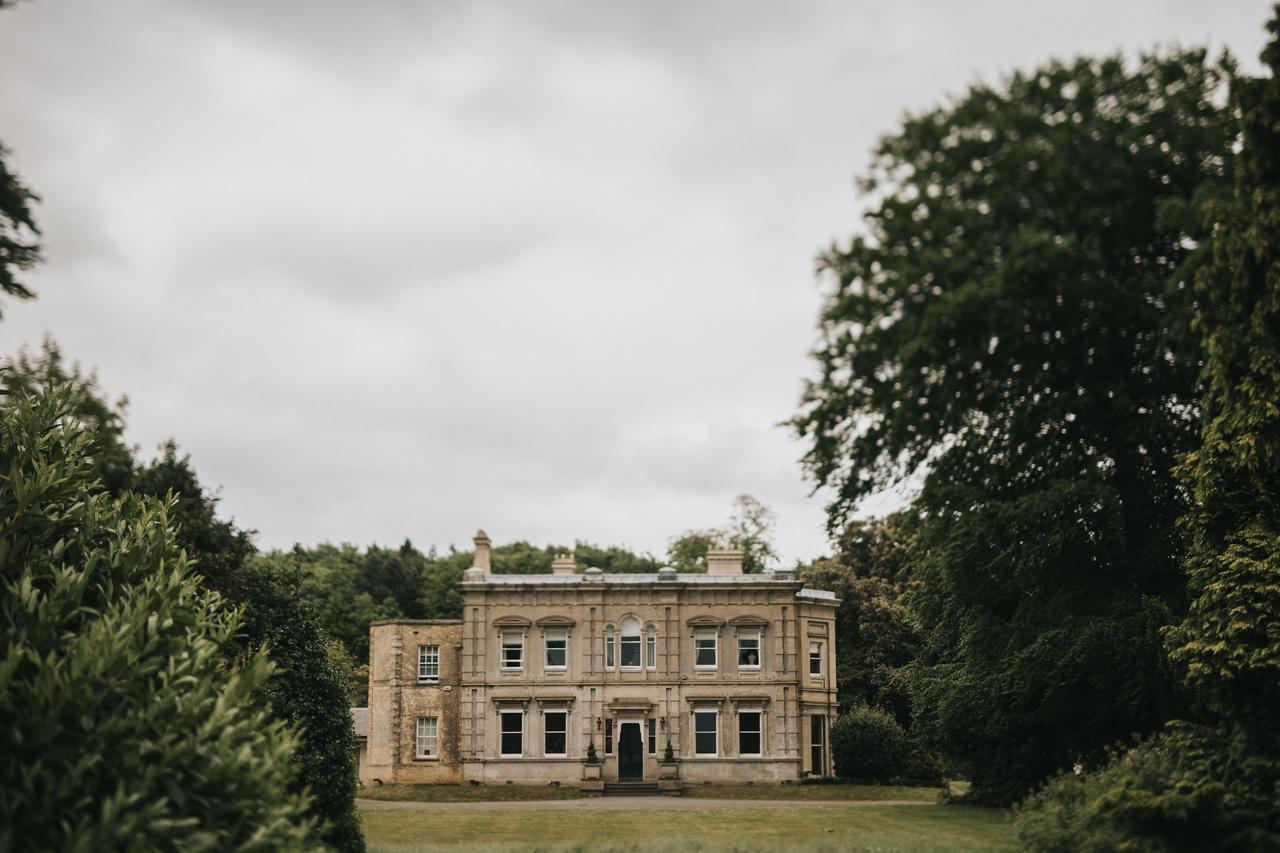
pixel 689 578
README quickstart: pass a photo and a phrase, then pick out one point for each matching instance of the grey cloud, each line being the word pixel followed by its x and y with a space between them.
pixel 402 269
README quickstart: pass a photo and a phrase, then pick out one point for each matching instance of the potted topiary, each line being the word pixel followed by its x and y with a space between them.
pixel 592 778
pixel 669 771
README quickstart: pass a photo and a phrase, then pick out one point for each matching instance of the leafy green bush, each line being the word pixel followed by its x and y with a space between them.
pixel 121 724
pixel 868 743
pixel 1186 789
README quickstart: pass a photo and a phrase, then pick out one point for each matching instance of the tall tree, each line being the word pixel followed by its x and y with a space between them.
pixel 19 234
pixel 877 637
pixel 1014 324
pixel 750 527
pixel 123 724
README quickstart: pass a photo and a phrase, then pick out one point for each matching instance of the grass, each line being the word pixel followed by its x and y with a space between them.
pixel 745 830
pixel 857 793
pixel 467 793
pixel 510 793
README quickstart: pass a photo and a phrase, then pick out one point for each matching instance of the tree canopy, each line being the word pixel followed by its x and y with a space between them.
pixel 1014 327
pixel 124 723
pixel 19 234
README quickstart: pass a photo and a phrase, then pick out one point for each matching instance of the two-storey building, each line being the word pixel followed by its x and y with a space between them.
pixel 735 671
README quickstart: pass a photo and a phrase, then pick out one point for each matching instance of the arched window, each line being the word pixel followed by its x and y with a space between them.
pixel 608 647
pixel 651 649
pixel 630 643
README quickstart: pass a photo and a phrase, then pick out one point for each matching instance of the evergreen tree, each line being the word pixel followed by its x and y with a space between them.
pixel 123 723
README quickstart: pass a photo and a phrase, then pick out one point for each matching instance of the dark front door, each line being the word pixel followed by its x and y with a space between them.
pixel 630 754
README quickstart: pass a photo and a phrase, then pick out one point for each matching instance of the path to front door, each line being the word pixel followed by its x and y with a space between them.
pixel 630 752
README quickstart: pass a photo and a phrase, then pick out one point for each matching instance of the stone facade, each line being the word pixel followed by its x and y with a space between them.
pixel 735 671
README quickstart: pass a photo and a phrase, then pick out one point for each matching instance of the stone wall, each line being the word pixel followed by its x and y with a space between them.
pixel 397 698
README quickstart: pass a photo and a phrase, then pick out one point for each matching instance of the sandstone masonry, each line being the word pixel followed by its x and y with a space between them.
pixel 734 671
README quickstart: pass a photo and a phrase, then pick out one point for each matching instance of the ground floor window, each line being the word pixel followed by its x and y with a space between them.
pixel 704 732
pixel 427 737
pixel 608 737
pixel 653 736
pixel 817 744
pixel 512 734
pixel 749 740
pixel 554 735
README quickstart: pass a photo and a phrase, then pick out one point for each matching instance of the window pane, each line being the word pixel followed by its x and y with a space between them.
pixel 428 663
pixel 426 737
pixel 554 733
pixel 749 733
pixel 608 737
pixel 706 650
pixel 653 736
pixel 815 658
pixel 556 651
pixel 608 649
pixel 748 650
pixel 704 737
pixel 512 651
pixel 631 651
pixel 512 740
pixel 651 653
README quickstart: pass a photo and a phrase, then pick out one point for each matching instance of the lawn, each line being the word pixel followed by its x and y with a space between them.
pixel 467 793
pixel 649 830
pixel 854 793
pixel 509 793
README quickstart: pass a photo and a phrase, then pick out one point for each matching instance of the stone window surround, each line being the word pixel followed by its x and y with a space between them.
pixel 556 626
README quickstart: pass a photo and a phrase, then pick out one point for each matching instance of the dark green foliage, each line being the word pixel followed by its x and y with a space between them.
pixel 1215 784
pixel 1228 648
pixel 868 743
pixel 1189 789
pixel 218 546
pixel 109 456
pixel 592 756
pixel 217 550
pixel 307 691
pixel 876 636
pixel 19 234
pixel 122 724
pixel 1016 326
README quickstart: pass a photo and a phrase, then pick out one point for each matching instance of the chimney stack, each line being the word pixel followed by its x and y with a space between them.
pixel 564 564
pixel 724 561
pixel 481 560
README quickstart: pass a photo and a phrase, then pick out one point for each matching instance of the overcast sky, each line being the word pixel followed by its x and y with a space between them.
pixel 392 269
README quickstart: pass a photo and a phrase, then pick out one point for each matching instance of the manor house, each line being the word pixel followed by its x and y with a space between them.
pixel 734 671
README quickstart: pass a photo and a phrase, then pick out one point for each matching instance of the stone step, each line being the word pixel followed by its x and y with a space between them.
pixel 631 789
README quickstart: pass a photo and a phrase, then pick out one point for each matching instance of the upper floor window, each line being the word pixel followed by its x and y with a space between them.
pixel 815 658
pixel 704 642
pixel 511 736
pixel 557 649
pixel 512 650
pixel 428 663
pixel 630 646
pixel 427 737
pixel 749 649
pixel 608 647
pixel 651 649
